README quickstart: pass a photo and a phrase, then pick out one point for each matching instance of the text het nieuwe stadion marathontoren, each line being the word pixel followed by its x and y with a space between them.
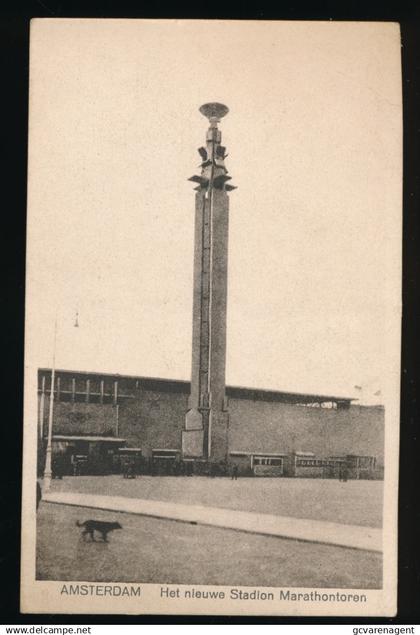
pixel 257 594
pixel 192 593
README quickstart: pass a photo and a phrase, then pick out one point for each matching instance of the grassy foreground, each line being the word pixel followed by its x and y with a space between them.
pixel 162 551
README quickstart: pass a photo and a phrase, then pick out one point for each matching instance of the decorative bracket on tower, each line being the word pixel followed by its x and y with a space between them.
pixel 213 171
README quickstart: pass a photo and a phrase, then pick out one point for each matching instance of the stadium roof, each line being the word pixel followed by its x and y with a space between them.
pixel 236 392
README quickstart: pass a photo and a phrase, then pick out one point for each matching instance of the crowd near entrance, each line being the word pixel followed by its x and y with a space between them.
pixel 79 455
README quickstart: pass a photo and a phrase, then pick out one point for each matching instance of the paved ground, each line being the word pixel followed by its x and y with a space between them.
pixel 351 503
pixel 163 551
pixel 316 531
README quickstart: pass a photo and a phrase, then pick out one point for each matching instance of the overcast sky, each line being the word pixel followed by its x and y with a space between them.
pixel 314 142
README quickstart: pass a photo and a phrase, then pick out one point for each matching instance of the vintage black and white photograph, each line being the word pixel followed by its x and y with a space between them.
pixel 213 317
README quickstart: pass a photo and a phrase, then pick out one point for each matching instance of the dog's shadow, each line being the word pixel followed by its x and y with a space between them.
pixel 87 546
pixel 87 540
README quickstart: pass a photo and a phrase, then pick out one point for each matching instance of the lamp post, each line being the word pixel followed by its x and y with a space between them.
pixel 48 455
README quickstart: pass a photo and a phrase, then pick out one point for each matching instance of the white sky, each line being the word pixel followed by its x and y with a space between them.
pixel 314 142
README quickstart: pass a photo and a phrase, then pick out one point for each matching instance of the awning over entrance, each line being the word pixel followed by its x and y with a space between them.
pixel 93 439
pixel 165 453
pixel 274 454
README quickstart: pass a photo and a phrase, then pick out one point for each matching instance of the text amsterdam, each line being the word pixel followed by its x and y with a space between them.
pixel 111 590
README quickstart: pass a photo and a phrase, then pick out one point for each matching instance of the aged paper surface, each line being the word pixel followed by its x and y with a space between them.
pixel 211 373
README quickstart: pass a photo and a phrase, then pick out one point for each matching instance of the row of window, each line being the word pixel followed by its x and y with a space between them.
pixel 87 391
pixel 356 461
pixel 329 405
pixel 265 460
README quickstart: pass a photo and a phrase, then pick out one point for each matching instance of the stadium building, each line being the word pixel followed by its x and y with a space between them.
pixel 101 418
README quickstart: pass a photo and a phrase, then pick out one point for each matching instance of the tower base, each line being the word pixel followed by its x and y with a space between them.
pixel 218 433
pixel 193 444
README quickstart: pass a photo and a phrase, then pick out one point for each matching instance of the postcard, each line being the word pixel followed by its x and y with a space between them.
pixel 213 318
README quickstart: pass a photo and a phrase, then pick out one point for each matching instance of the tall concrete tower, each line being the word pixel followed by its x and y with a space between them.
pixel 205 433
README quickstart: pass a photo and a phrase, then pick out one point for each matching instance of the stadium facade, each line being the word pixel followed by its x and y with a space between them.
pixel 103 417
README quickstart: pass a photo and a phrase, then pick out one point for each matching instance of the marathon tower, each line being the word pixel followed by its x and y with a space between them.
pixel 205 434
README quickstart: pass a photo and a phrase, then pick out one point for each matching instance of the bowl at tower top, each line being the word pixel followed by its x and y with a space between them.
pixel 214 111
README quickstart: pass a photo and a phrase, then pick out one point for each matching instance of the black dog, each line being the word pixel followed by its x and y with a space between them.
pixel 101 526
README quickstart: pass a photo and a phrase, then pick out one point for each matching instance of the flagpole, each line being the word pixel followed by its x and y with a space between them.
pixel 48 455
pixel 360 391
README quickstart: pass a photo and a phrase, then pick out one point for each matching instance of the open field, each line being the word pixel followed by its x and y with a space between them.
pixel 164 551
pixel 352 503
